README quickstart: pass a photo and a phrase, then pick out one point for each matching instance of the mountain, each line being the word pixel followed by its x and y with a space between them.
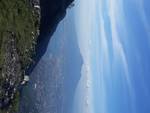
pixel 23 41
pixel 52 12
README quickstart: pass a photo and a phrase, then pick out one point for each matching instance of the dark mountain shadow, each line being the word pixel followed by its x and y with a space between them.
pixel 46 99
pixel 56 81
pixel 52 12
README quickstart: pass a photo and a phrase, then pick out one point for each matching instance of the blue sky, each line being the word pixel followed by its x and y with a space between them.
pixel 114 40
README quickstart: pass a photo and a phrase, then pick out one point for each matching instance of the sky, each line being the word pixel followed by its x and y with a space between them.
pixel 114 41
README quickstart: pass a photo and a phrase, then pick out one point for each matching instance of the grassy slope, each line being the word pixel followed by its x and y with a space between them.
pixel 17 16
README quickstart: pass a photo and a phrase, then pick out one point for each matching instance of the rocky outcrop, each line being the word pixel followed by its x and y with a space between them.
pixel 11 71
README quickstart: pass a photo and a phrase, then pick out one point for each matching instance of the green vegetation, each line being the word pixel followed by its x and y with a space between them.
pixel 13 108
pixel 17 16
pixel 19 19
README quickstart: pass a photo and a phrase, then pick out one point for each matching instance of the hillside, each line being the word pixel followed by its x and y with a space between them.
pixel 19 24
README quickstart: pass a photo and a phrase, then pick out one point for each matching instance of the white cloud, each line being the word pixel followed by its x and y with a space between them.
pixel 83 96
pixel 145 21
pixel 85 26
pixel 116 14
pixel 118 49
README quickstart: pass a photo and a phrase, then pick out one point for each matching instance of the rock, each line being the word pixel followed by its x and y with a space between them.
pixel 37 7
pixel 11 70
pixel 26 78
pixel 6 101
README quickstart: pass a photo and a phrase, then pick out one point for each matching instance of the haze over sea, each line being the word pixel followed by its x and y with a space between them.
pixel 98 61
